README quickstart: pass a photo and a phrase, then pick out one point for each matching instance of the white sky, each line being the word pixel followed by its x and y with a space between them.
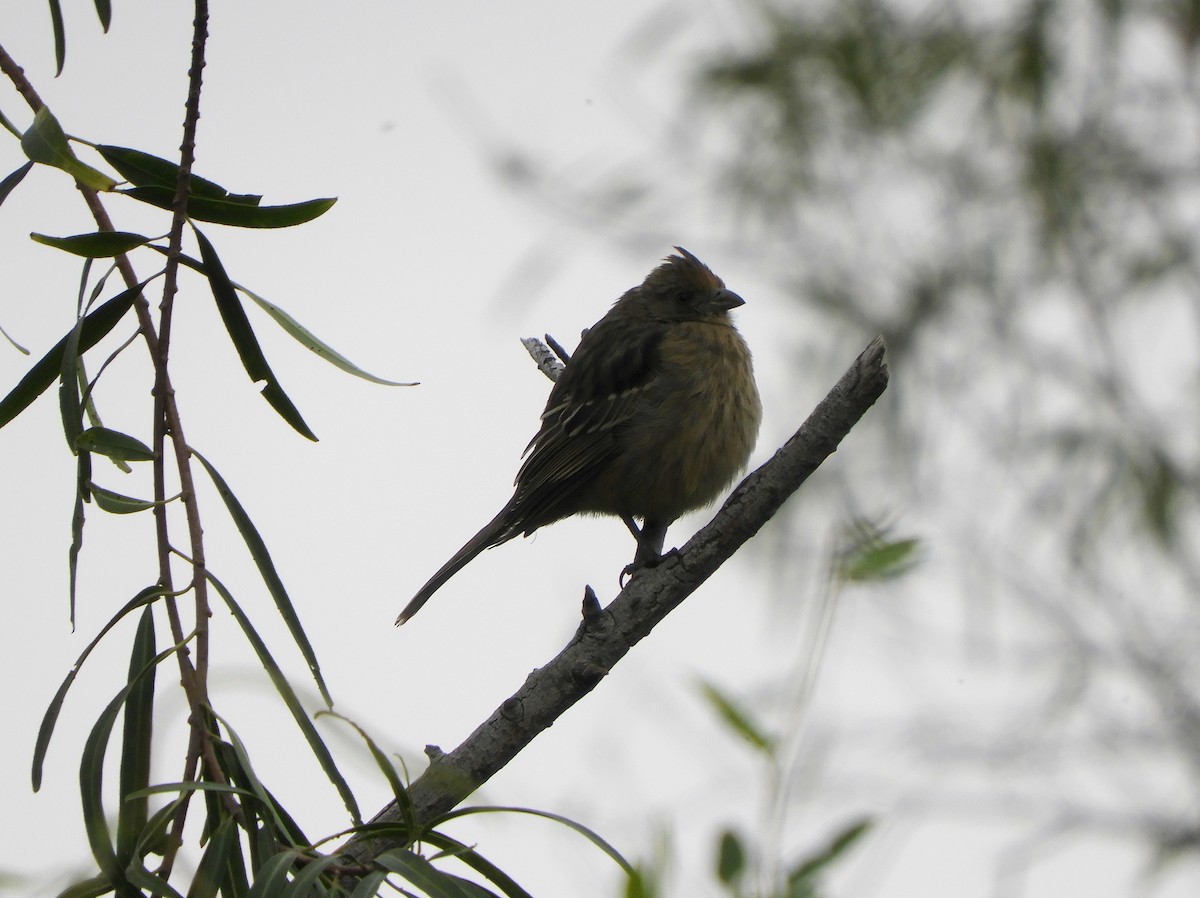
pixel 414 275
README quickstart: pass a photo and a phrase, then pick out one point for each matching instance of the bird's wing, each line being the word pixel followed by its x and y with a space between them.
pixel 599 389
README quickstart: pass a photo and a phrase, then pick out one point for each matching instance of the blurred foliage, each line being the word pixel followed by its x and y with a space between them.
pixel 804 879
pixel 757 865
pixel 868 554
pixel 754 866
pixel 750 867
pixel 1010 194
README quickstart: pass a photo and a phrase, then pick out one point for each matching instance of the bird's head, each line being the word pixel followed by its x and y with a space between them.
pixel 683 288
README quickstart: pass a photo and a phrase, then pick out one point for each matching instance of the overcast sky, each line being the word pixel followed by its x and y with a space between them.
pixel 428 268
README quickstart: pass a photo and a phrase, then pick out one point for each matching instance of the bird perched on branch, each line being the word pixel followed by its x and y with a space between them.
pixel 652 417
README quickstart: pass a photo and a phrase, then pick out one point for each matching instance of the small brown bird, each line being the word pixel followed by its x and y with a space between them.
pixel 652 417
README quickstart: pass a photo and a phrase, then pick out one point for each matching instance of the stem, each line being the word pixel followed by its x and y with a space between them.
pixel 16 75
pixel 166 418
pixel 167 423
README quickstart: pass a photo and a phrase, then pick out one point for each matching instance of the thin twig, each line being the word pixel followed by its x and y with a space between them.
pixel 558 348
pixel 543 357
pixel 167 421
pixel 16 75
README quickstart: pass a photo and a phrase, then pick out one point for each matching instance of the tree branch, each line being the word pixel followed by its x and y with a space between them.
pixel 605 636
pixel 168 426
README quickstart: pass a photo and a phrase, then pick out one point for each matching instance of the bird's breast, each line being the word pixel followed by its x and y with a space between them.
pixel 693 430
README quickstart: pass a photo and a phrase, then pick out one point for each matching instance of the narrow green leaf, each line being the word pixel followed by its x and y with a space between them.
pixel 310 341
pixel 9 183
pixel 60 37
pixel 138 726
pixel 88 409
pixel 9 126
pixel 369 885
pixel 262 847
pixel 235 764
pixel 235 211
pixel 244 341
pixel 96 325
pixel 428 878
pixel 70 410
pixel 592 836
pixel 237 879
pixel 388 769
pixel 92 414
pixel 282 404
pixel 393 832
pixel 89 888
pixel 214 863
pixel 156 195
pixel 272 877
pixel 305 881
pixel 113 444
pixel 154 838
pixel 149 883
pixel 240 215
pixel 144 170
pixel 15 345
pixel 278 829
pixel 266 568
pixel 287 829
pixel 485 868
pixel 192 786
pixel 295 329
pixel 50 718
pixel 104 11
pixel 69 380
pixel 83 466
pixel 737 718
pixel 91 779
pixel 46 143
pixel 96 245
pixel 115 503
pixel 284 688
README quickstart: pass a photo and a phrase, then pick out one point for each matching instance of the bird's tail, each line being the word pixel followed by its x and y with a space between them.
pixel 496 531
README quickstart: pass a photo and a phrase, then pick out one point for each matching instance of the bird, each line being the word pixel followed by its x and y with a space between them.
pixel 653 415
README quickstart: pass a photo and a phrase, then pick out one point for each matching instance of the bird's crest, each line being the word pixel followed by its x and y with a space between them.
pixel 686 269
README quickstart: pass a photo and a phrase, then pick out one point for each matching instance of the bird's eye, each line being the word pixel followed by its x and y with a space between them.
pixel 682 297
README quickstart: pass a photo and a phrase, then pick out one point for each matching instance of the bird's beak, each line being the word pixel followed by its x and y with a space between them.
pixel 723 300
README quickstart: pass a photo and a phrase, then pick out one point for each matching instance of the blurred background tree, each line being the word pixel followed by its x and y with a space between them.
pixel 1008 193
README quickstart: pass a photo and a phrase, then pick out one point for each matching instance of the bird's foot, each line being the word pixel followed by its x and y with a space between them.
pixel 644 564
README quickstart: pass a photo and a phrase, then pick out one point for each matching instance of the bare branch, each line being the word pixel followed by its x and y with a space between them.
pixel 543 357
pixel 604 637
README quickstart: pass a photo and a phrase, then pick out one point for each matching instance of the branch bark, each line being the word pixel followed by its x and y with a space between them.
pixel 605 636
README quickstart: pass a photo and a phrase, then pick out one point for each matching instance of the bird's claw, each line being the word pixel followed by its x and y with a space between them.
pixel 641 564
